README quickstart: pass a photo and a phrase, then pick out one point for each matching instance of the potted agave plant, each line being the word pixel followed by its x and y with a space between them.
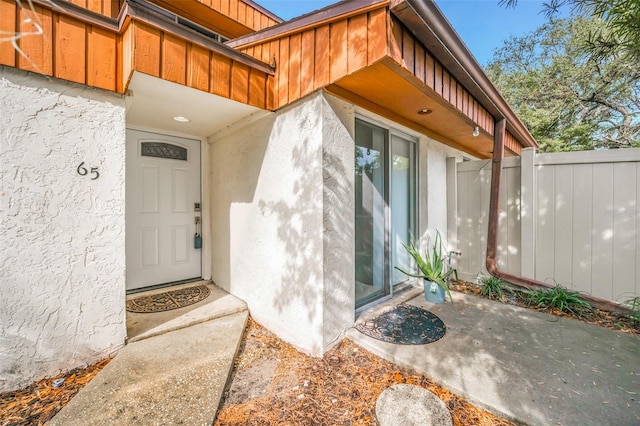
pixel 431 269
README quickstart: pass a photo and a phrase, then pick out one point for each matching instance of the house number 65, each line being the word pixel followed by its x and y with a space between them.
pixel 82 171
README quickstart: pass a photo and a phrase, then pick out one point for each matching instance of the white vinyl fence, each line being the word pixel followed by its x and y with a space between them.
pixel 569 218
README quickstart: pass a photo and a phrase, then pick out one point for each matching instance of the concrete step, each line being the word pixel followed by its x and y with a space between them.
pixel 218 304
pixel 174 378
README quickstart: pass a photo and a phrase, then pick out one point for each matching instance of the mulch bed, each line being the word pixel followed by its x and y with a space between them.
pixel 38 403
pixel 339 389
pixel 602 318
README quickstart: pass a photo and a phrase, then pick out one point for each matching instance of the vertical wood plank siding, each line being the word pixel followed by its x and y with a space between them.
pixel 68 48
pixel 407 51
pixel 161 54
pixel 512 144
pixel 313 58
pixel 104 7
pixel 242 12
pixel 78 51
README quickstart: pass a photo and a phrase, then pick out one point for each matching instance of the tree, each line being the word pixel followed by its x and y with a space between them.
pixel 621 32
pixel 569 98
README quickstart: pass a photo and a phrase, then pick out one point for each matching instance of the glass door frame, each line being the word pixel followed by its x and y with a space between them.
pixel 388 273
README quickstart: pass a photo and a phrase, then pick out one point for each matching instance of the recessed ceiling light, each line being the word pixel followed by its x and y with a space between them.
pixel 425 111
pixel 181 119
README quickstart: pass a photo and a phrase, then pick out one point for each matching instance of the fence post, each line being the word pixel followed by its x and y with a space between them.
pixel 528 212
pixel 452 203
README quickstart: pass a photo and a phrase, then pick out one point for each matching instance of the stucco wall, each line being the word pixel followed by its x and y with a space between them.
pixel 432 182
pixel 338 132
pixel 62 255
pixel 270 205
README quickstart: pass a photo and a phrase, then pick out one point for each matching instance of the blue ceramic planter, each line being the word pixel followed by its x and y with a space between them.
pixel 433 292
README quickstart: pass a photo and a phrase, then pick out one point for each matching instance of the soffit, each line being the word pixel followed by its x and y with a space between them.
pixel 152 103
pixel 391 91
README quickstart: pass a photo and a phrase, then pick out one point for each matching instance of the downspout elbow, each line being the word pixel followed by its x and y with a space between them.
pixel 492 234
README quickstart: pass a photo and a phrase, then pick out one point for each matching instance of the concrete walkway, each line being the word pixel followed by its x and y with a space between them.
pixel 524 365
pixel 176 375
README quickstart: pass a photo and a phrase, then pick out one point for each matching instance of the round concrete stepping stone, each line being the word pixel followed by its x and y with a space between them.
pixel 410 405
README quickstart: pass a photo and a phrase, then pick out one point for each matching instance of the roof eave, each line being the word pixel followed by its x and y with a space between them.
pixel 427 22
pixel 318 17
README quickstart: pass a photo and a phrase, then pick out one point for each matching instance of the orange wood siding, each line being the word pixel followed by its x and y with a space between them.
pixel 241 12
pixel 162 54
pixel 82 52
pixel 512 144
pixel 407 51
pixel 109 8
pixel 314 57
pixel 8 12
pixel 68 48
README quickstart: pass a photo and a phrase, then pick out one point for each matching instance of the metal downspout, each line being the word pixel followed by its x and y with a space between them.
pixel 492 236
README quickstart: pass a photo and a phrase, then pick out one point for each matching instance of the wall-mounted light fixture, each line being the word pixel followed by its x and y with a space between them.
pixel 476 132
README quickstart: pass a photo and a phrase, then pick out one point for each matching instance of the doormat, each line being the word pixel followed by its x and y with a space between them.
pixel 405 325
pixel 169 300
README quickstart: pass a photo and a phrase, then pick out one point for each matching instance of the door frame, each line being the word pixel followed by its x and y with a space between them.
pixel 393 128
pixel 205 192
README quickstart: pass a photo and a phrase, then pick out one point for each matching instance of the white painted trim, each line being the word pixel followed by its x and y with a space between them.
pixel 589 157
pixel 377 120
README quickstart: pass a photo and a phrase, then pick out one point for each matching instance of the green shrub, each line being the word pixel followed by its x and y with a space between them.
pixel 492 288
pixel 634 306
pixel 558 298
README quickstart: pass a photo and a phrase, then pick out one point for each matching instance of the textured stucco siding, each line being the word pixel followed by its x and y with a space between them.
pixel 62 255
pixel 280 197
pixel 432 187
pixel 338 171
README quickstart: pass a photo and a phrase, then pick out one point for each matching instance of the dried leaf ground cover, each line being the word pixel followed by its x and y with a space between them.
pixel 39 402
pixel 273 384
pixel 599 317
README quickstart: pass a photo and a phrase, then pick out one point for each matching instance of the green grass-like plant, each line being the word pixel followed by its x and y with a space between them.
pixel 559 298
pixel 634 307
pixel 492 288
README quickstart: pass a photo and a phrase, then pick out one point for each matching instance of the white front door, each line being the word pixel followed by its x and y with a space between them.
pixel 162 202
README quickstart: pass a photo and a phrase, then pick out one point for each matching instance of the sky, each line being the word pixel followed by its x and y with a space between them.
pixel 481 24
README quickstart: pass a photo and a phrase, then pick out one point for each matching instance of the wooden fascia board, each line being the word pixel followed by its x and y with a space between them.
pixel 428 24
pixel 316 19
pixel 78 12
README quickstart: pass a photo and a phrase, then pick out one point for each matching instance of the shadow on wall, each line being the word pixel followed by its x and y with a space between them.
pixel 235 170
pixel 282 213
pixel 299 221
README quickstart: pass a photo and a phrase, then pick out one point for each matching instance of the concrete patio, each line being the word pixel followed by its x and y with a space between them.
pixel 524 365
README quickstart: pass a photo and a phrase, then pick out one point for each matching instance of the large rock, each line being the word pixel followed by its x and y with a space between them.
pixel 409 405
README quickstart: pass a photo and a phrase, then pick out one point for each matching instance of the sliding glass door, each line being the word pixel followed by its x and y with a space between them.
pixel 385 209
pixel 403 204
pixel 371 192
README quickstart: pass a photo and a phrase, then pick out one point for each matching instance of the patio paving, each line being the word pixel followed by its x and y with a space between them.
pixel 524 365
